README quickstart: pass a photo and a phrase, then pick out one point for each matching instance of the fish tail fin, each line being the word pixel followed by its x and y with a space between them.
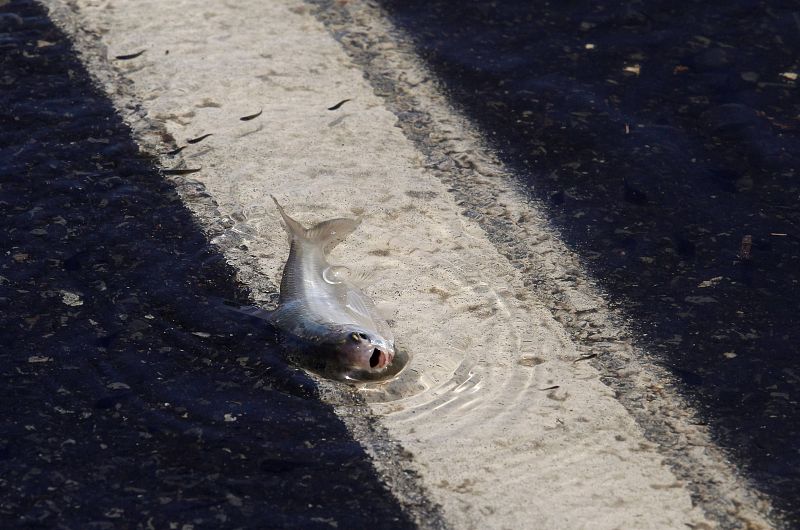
pixel 326 234
pixel 294 228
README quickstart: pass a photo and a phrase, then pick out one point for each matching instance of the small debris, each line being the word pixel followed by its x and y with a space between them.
pixel 229 417
pixel 729 355
pixel 71 299
pixel 633 69
pixel 336 107
pixel 199 138
pixel 252 116
pixel 778 234
pixel 680 69
pixel 710 283
pixel 746 247
pixel 550 388
pixel 129 56
pixel 176 151
pixel 791 76
pixel 585 357
pixel 185 171
pixel 530 361
pixel 330 521
pixel 234 500
pixel 39 359
pixel 118 386
pixel 589 46
pixel 700 300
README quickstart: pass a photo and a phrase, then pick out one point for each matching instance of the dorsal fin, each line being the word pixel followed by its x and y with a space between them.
pixel 327 234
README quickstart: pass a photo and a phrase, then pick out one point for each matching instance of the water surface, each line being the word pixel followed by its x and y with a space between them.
pixel 664 140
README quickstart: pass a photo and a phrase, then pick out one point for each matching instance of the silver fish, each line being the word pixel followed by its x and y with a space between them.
pixel 320 306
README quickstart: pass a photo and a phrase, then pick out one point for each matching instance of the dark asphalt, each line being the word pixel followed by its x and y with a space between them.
pixel 676 179
pixel 128 398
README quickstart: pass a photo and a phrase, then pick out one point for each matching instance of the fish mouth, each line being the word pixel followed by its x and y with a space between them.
pixel 380 359
pixel 389 366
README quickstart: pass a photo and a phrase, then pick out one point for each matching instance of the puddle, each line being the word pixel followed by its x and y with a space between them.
pixel 465 343
pixel 658 141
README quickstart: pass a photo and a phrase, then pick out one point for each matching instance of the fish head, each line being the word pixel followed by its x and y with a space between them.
pixel 363 349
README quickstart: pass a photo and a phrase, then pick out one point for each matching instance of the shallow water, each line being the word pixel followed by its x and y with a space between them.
pixel 504 419
pixel 664 142
pixel 470 325
pixel 489 374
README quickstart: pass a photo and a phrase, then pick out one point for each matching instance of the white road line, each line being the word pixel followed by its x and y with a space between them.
pixel 506 430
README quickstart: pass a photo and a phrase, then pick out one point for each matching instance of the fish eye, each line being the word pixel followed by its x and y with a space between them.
pixel 358 337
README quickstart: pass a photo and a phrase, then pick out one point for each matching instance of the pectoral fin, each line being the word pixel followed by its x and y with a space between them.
pixel 362 308
pixel 253 311
pixel 358 304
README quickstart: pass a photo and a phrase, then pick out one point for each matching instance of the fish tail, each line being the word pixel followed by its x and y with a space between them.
pixel 326 234
pixel 295 229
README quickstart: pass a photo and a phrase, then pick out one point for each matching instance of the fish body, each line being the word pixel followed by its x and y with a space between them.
pixel 319 305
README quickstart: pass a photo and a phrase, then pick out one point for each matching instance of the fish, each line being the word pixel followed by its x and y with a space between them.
pixel 319 305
